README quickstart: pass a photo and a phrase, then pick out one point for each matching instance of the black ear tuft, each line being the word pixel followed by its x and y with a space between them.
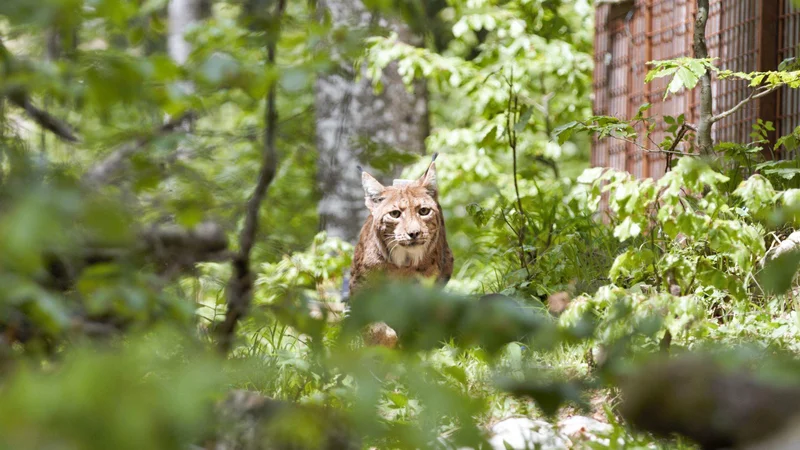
pixel 433 158
pixel 360 169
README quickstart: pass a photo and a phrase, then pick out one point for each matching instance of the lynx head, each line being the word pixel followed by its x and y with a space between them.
pixel 406 218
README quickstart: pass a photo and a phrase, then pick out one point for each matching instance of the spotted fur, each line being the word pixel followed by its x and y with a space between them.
pixel 412 244
pixel 404 235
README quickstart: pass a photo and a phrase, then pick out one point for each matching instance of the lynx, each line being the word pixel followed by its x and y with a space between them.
pixel 403 237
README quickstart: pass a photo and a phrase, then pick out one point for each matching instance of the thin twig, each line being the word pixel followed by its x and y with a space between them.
pixel 684 128
pixel 240 287
pixel 549 162
pixel 44 119
pixel 645 149
pixel 545 108
pixel 756 94
pixel 681 133
pixel 103 171
pixel 511 133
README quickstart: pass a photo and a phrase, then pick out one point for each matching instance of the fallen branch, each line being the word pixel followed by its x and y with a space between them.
pixel 171 249
pixel 240 286
pixel 175 249
pixel 168 249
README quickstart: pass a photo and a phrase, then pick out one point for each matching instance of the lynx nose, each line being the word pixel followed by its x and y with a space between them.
pixel 413 235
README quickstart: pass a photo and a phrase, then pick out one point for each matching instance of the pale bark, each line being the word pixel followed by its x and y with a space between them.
pixel 705 140
pixel 182 14
pixel 349 115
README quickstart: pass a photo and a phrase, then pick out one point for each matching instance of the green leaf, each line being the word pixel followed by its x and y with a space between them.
pixel 294 79
pixel 479 215
pixel 627 229
pixel 778 274
pixel 458 373
pixel 398 400
pixel 787 173
pixel 564 132
pixel 524 117
pixel 697 67
pixel 642 109
pixel 189 215
pixel 220 67
pixel 589 176
pixel 756 192
pixel 656 73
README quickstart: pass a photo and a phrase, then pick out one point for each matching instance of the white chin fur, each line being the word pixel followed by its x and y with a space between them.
pixel 408 256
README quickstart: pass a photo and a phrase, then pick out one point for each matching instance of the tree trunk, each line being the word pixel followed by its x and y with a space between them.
pixel 349 116
pixel 182 14
pixel 705 141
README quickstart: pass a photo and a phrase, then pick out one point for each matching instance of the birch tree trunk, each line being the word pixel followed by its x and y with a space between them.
pixel 349 115
pixel 182 14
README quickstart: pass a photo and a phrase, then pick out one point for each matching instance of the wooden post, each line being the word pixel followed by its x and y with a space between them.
pixel 768 44
pixel 648 46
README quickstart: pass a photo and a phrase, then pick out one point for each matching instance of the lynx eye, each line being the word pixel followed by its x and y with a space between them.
pixel 424 211
pixel 396 213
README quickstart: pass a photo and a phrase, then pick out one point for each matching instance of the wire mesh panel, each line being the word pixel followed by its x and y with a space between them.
pixel 670 37
pixel 611 79
pixel 745 36
pixel 789 41
pixel 600 81
pixel 637 162
pixel 618 89
pixel 732 35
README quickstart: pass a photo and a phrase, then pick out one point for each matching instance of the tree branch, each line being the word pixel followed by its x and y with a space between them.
pixel 549 162
pixel 240 286
pixel 21 99
pixel 512 116
pixel 43 118
pixel 670 151
pixel 170 248
pixel 756 94
pixel 102 172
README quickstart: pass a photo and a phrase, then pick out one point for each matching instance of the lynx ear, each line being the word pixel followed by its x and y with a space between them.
pixel 428 179
pixel 372 190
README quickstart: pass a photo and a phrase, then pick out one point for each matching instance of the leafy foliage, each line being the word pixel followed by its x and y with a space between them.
pixel 124 176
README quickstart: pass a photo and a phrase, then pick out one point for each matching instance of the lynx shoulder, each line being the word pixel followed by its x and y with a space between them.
pixel 404 235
